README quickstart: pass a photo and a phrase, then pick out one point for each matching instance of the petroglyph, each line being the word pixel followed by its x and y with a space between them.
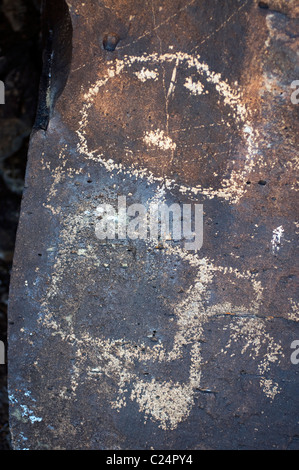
pixel 164 401
pixel 146 74
pixel 157 138
pixel 141 341
pixel 232 188
pixel 196 88
pixel 276 238
pixel 122 360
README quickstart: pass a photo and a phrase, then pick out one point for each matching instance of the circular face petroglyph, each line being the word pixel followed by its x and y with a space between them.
pixel 169 116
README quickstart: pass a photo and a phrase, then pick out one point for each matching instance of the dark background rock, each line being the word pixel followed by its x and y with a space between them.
pixel 20 65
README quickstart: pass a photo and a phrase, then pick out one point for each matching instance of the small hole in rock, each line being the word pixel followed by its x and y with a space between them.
pixel 110 42
pixel 262 182
pixel 263 5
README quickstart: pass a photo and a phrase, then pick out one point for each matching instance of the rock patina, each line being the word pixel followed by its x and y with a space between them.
pixel 138 344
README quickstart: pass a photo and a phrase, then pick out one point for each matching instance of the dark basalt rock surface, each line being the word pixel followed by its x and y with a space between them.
pixel 143 344
pixel 19 71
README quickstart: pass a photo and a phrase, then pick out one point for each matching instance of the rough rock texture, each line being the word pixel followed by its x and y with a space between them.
pixel 20 71
pixel 139 344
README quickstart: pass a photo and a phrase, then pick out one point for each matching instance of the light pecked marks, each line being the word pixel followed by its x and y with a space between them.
pixel 169 402
pixel 158 139
pixel 58 173
pixel 167 20
pixel 232 187
pixel 252 333
pixel 166 402
pixel 196 88
pixel 146 74
pixel 294 313
pixel 24 412
pixel 276 239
